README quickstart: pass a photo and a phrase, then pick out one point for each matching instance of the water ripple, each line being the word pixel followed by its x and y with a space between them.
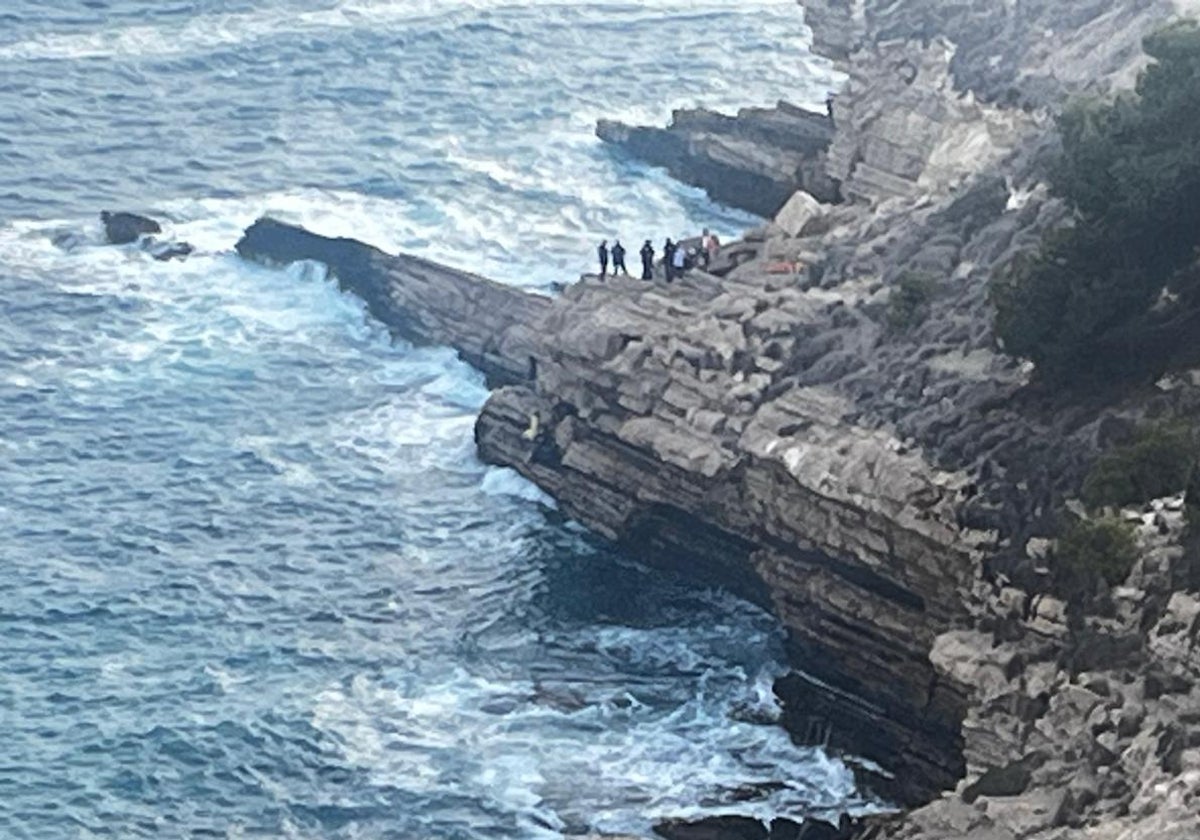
pixel 256 583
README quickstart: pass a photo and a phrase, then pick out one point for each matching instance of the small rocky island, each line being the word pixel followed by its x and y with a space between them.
pixel 986 574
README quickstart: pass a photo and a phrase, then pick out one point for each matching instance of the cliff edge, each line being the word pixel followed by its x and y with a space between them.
pixel 825 423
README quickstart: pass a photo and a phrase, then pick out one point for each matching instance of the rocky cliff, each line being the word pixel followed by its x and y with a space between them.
pixel 754 161
pixel 803 426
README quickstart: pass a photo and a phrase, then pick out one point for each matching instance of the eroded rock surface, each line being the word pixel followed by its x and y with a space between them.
pixel 886 485
pixel 492 326
pixel 754 161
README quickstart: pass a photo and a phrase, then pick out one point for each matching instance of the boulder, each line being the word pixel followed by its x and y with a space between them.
pixel 1011 780
pixel 799 212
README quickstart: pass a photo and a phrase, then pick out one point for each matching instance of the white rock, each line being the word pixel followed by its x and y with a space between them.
pixel 800 209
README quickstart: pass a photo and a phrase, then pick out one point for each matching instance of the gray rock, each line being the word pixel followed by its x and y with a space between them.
pixel 122 228
pixel 754 161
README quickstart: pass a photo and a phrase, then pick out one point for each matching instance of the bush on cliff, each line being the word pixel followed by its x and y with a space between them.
pixel 1098 547
pixel 1090 299
pixel 908 304
pixel 1157 463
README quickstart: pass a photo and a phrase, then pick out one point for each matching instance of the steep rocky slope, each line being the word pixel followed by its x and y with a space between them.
pixel 1074 725
pixel 886 482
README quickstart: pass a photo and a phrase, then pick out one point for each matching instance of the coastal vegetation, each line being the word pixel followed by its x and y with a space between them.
pixel 1103 547
pixel 1156 463
pixel 909 303
pixel 1115 292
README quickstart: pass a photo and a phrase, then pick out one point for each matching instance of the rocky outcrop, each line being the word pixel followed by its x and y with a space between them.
pixel 1033 52
pixel 754 161
pixel 935 93
pixel 122 228
pixel 492 326
pixel 887 485
pixel 904 130
pixel 1077 731
pixel 666 422
pixel 669 419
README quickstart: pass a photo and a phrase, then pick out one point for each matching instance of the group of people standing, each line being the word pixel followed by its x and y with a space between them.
pixel 677 257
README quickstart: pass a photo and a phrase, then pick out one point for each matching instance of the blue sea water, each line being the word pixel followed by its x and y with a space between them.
pixel 253 580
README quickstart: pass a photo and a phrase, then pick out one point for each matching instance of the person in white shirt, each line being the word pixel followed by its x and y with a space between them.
pixel 706 248
pixel 679 261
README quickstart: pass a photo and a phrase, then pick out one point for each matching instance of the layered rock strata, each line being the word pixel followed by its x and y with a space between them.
pixel 670 420
pixel 492 326
pixel 934 93
pixel 1033 52
pixel 666 424
pixel 885 481
pixel 754 161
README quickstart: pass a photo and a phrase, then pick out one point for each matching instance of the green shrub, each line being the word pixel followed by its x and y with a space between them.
pixel 1103 547
pixel 1082 304
pixel 908 305
pixel 1157 463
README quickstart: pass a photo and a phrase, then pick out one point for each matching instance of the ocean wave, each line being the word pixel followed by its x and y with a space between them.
pixel 208 32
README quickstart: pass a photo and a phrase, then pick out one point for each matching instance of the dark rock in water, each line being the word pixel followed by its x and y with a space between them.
pixel 559 698
pixel 713 828
pixel 168 250
pixel 123 228
pixel 811 829
pixel 756 791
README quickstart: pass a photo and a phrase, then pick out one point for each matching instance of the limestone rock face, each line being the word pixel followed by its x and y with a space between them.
pixel 668 423
pixel 755 161
pixel 1032 52
pixel 889 490
pixel 904 130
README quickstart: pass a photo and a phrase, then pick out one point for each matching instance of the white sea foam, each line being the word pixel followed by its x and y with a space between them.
pixel 506 482
pixel 567 755
pixel 279 507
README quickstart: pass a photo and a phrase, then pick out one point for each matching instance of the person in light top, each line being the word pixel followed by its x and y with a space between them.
pixel 679 260
pixel 706 248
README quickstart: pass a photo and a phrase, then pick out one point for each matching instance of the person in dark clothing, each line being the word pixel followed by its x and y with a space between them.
pixel 618 255
pixel 602 253
pixel 647 253
pixel 669 259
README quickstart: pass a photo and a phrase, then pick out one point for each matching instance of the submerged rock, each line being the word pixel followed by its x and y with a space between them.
pixel 167 250
pixel 713 828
